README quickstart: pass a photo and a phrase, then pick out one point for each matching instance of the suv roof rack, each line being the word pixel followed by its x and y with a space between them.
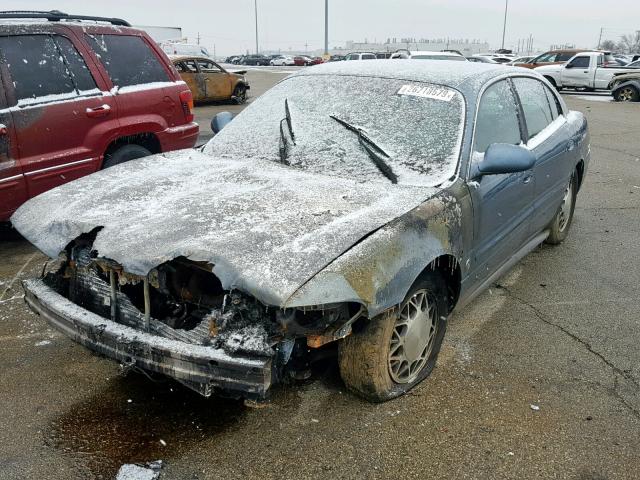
pixel 56 16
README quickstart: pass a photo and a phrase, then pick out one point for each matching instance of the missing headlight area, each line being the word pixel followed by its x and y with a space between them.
pixel 183 300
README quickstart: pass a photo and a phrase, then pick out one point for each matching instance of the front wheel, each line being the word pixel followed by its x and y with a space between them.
pixel 395 351
pixel 559 227
pixel 240 94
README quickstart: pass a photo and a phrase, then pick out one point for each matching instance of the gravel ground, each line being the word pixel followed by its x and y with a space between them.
pixel 538 378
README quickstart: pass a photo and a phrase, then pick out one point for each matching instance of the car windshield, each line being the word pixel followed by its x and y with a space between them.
pixel 418 125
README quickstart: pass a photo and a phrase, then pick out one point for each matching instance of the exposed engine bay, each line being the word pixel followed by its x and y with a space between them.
pixel 183 300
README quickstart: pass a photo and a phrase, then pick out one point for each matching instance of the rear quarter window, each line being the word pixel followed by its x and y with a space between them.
pixel 128 59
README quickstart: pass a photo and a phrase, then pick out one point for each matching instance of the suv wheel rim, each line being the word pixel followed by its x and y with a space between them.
pixel 565 208
pixel 413 337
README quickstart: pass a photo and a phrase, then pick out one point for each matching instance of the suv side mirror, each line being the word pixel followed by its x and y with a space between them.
pixel 220 120
pixel 505 158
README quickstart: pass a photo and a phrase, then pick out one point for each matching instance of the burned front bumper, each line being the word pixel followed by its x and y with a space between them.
pixel 203 368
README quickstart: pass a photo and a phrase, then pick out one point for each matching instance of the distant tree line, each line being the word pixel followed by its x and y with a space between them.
pixel 629 43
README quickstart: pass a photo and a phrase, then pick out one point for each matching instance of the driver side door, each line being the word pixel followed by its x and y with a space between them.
pixel 503 204
pixel 576 72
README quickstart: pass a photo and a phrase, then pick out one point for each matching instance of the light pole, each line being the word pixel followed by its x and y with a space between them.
pixel 326 27
pixel 255 6
pixel 504 25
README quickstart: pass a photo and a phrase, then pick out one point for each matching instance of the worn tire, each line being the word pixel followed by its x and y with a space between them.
pixel 124 154
pixel 364 355
pixel 240 94
pixel 561 223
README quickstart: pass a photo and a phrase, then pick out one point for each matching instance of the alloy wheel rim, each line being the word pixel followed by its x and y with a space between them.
pixel 413 337
pixel 565 208
pixel 626 94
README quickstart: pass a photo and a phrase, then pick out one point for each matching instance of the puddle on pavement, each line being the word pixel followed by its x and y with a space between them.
pixel 108 431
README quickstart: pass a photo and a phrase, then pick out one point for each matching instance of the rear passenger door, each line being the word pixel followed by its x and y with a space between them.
pixel 141 84
pixel 13 190
pixel 216 81
pixel 548 137
pixel 61 118
pixel 502 204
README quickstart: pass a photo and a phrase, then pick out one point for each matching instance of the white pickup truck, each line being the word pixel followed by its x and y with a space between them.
pixel 588 70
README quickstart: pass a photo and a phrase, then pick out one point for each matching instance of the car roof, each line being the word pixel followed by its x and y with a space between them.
pixel 468 77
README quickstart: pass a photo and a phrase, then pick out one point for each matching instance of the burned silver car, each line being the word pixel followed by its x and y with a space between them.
pixel 355 202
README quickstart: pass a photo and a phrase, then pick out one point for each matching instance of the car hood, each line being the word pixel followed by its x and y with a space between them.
pixel 266 228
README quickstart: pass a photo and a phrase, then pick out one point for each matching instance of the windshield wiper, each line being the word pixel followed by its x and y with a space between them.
pixel 284 143
pixel 377 154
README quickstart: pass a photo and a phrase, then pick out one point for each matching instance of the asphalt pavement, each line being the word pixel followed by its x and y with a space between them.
pixel 538 378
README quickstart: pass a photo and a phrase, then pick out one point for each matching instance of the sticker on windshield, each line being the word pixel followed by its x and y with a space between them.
pixel 432 91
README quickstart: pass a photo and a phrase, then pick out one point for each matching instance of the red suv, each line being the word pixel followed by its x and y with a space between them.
pixel 78 94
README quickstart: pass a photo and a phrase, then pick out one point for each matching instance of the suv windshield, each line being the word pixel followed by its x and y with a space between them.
pixel 418 125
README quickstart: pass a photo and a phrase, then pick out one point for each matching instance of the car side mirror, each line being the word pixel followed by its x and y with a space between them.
pixel 220 120
pixel 505 158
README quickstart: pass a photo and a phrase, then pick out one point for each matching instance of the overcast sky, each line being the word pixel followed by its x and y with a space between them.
pixel 285 24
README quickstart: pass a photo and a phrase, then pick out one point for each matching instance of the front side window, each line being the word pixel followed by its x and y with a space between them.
pixel 36 66
pixel 418 126
pixel 535 105
pixel 579 62
pixel 128 59
pixel 497 120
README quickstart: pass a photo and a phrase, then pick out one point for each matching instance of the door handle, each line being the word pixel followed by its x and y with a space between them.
pixel 101 111
pixel 527 179
pixel 3 130
pixel 571 145
pixel 585 71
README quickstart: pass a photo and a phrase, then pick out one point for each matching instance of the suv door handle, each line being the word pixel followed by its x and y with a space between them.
pixel 3 130
pixel 527 179
pixel 101 111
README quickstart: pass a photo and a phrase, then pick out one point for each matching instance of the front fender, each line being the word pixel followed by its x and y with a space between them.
pixel 379 270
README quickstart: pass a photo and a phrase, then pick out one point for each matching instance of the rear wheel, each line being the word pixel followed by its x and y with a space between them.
pixel 124 154
pixel 240 94
pixel 395 351
pixel 559 227
pixel 627 94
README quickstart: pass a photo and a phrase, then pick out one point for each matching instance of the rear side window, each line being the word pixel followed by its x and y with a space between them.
pixel 368 57
pixel 128 59
pixel 497 118
pixel 37 69
pixel 535 104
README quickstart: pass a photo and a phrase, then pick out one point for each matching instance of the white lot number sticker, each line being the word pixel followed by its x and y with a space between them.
pixel 432 91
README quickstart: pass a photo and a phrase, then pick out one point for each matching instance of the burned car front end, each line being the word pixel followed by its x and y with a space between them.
pixel 179 321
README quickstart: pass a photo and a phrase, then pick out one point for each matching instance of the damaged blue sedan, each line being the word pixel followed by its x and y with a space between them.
pixel 354 205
